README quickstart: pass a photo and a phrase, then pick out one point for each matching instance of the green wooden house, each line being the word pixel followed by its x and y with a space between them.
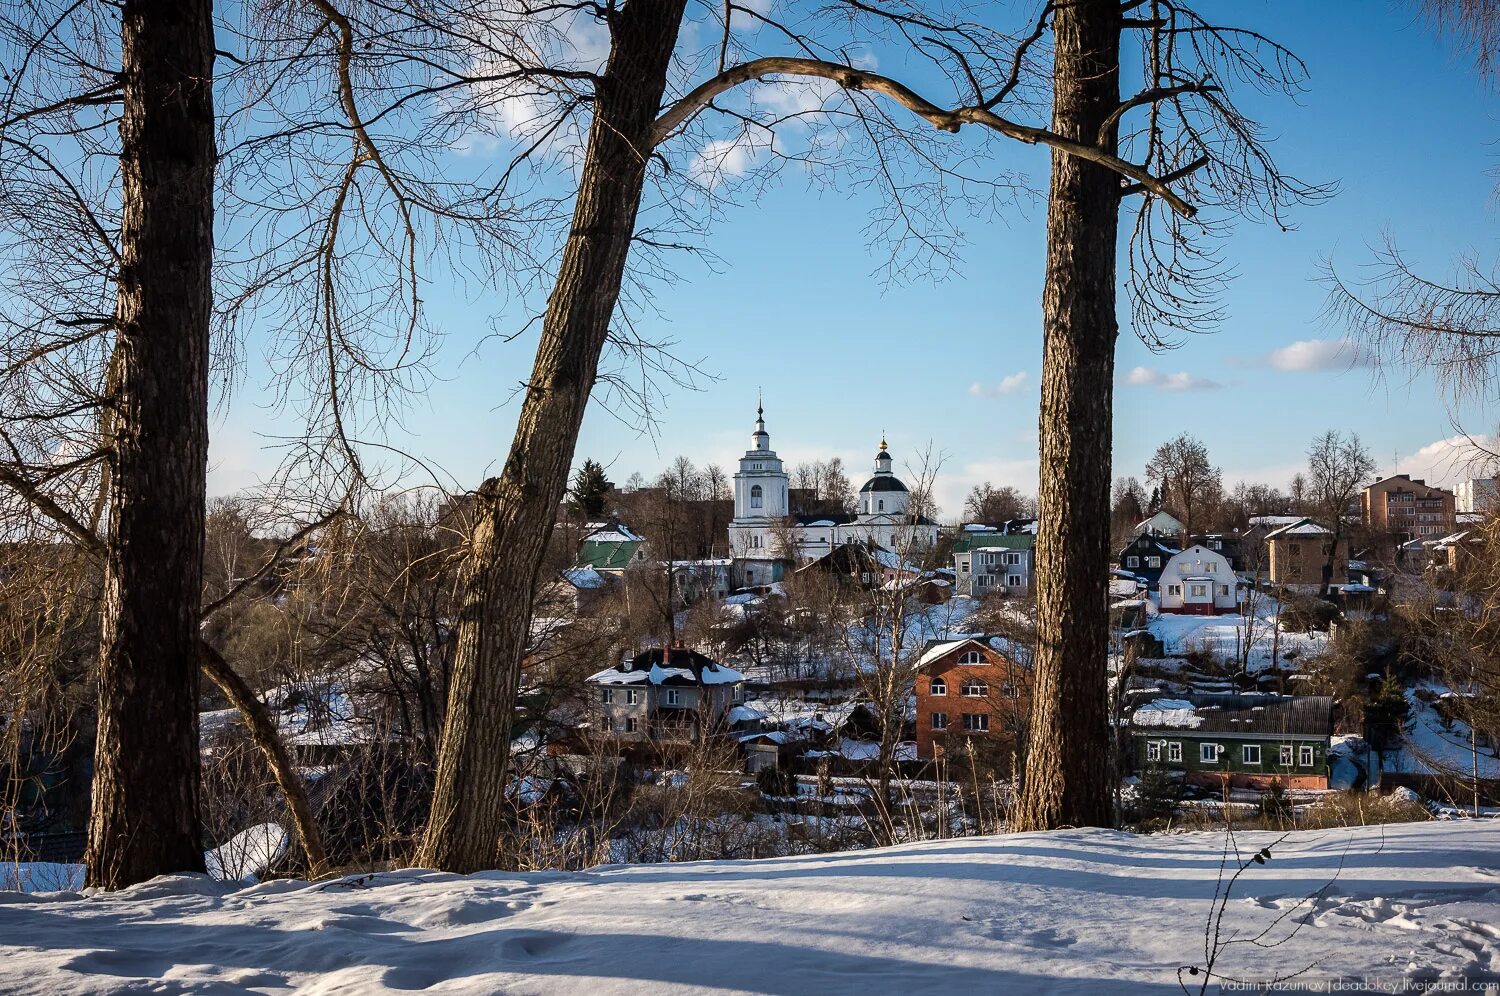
pixel 1248 741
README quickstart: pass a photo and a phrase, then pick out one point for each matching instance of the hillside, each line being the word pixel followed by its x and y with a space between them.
pixel 1082 911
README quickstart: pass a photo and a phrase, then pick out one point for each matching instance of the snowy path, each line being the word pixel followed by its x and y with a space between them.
pixel 1069 912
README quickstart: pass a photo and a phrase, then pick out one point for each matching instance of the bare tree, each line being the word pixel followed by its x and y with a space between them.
pixel 1338 467
pixel 987 503
pixel 1193 136
pixel 1190 485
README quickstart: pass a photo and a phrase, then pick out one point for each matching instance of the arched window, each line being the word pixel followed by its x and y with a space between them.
pixel 882 504
pixel 757 496
pixel 938 687
pixel 970 657
pixel 976 689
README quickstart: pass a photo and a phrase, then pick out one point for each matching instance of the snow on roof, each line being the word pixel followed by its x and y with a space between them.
pixel 1302 527
pixel 603 532
pixel 583 577
pixel 1274 520
pixel 1355 589
pixel 746 714
pixel 1177 713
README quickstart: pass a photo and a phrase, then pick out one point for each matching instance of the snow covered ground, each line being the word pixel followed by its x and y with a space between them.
pixel 1224 637
pixel 1075 912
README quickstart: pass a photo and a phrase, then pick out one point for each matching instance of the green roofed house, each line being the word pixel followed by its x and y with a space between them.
pixel 985 562
pixel 610 550
pixel 1247 741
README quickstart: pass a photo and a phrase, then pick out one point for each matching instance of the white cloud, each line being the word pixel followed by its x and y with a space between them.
pixel 726 157
pixel 1319 354
pixel 1180 381
pixel 1007 385
pixel 1445 462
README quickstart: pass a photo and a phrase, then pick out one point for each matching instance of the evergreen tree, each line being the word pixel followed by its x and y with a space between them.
pixel 589 493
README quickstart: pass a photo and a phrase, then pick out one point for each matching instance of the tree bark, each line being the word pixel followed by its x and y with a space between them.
pixel 1067 764
pixel 146 766
pixel 515 512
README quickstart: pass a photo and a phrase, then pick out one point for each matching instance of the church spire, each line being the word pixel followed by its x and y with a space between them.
pixel 760 439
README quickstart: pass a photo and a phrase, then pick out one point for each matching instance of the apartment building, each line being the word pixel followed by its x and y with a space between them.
pixel 1408 509
pixel 1478 494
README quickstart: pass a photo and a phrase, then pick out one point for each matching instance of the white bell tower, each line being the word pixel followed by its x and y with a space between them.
pixel 761 500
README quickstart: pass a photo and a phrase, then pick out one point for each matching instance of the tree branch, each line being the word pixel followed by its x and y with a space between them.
pixel 681 112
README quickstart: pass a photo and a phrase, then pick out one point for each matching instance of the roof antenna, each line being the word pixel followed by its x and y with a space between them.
pixel 760 406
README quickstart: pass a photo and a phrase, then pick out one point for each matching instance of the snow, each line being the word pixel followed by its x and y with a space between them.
pixel 1085 911
pixel 243 858
pixel 583 577
pixel 1175 713
pixel 1223 636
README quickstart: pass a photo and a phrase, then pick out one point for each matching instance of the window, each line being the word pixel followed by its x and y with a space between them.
pixel 940 721
pixel 970 657
pixel 977 722
pixel 1153 750
pixel 1208 753
pixel 1305 756
pixel 975 689
pixel 1013 560
pixel 674 697
pixel 739 693
pixel 1015 580
pixel 1222 590
pixel 881 505
pixel 938 687
pixel 1153 561
pixel 1132 561
pixel 1286 755
pixel 1174 589
pixel 606 696
pixel 1198 590
pixel 757 497
pixel 986 580
pixel 1215 545
pixel 628 725
pixel 1174 751
pixel 1008 690
pixel 631 696
pixel 1212 568
pixel 1250 754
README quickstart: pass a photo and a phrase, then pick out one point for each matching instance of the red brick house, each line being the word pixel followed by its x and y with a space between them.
pixel 967 688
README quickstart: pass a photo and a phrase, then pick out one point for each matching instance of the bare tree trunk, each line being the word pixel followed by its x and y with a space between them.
pixel 146 764
pixel 516 511
pixel 268 741
pixel 1067 763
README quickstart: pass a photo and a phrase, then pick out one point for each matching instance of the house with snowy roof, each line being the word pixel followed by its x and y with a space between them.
pixel 1246 741
pixel 1308 556
pixel 1145 557
pixel 665 696
pixel 969 688
pixel 1198 581
pixel 1163 523
pixel 985 562
pixel 611 547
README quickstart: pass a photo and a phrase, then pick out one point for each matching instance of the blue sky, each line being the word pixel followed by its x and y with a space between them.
pixel 795 308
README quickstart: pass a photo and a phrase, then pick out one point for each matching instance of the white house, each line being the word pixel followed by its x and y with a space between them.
pixel 1198 581
pixel 1163 523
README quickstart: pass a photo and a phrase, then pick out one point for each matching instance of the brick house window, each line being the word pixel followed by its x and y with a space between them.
pixel 1250 754
pixel 940 721
pixel 975 689
pixel 1304 757
pixel 1208 753
pixel 1174 751
pixel 977 722
pixel 938 687
pixel 970 657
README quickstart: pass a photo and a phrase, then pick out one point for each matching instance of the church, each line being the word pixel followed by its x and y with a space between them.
pixel 767 535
